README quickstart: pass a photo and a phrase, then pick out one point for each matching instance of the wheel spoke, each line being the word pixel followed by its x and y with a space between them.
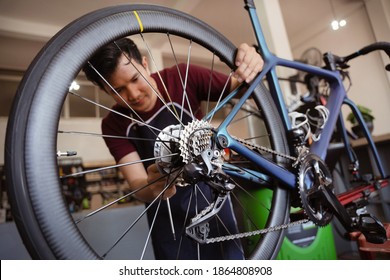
pixel 159 76
pixel 112 166
pixel 210 83
pixel 220 96
pixel 184 224
pixel 185 96
pixel 158 198
pixel 119 113
pixel 150 231
pixel 171 219
pixel 111 136
pixel 119 199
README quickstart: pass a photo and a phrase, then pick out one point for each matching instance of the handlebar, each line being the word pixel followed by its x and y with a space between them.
pixel 333 61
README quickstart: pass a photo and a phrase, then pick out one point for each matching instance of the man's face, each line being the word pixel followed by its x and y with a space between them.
pixel 129 82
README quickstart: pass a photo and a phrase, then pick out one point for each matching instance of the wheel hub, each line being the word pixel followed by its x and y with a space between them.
pixel 166 149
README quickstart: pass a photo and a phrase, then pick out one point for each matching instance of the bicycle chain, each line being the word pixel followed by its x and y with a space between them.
pixel 243 234
pixel 264 149
pixel 255 232
pixel 203 212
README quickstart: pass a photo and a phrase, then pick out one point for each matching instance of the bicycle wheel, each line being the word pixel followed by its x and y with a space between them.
pixel 42 215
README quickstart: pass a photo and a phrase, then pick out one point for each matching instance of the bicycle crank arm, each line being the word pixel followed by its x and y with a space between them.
pixel 336 207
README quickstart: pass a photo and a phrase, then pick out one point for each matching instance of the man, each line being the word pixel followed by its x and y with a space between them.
pixel 121 71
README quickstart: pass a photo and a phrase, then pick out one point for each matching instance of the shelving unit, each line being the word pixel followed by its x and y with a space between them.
pixel 90 190
pixel 73 188
pixel 105 185
pixel 5 209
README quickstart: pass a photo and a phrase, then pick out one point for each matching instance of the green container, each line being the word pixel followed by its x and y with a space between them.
pixel 302 242
pixel 309 242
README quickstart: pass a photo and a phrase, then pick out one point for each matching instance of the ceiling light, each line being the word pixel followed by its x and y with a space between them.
pixel 342 22
pixel 336 24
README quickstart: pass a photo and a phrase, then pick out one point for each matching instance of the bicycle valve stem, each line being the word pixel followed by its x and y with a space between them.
pixel 66 154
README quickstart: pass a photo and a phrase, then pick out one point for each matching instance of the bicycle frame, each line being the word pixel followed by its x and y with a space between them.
pixel 337 98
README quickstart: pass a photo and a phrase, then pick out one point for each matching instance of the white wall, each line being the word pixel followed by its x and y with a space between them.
pixel 90 148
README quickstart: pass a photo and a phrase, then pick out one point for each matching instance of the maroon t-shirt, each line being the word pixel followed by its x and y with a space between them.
pixel 197 89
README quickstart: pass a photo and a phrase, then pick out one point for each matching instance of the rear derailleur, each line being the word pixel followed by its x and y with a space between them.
pixel 207 168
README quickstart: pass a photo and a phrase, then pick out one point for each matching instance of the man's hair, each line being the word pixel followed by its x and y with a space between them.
pixel 106 59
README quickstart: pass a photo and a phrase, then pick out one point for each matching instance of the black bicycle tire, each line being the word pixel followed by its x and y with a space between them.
pixel 33 197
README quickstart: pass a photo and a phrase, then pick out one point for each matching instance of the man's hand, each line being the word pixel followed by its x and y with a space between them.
pixel 157 187
pixel 249 63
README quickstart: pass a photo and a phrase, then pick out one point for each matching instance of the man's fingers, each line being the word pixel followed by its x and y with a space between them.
pixel 241 51
pixel 171 191
pixel 249 63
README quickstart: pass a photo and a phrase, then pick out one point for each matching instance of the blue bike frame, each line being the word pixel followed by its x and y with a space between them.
pixel 336 99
